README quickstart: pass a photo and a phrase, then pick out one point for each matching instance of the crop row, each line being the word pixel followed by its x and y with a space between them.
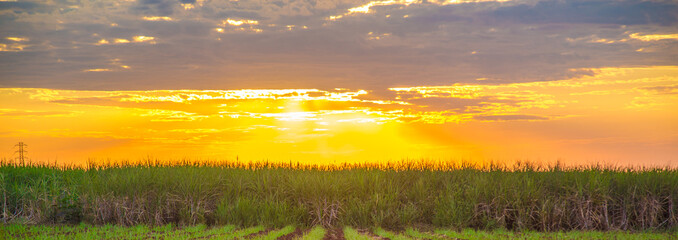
pixel 520 198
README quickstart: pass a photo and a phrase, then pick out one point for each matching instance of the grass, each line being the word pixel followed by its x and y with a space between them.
pixel 275 234
pixel 351 234
pixel 242 233
pixel 317 233
pixel 390 235
pixel 393 196
pixel 230 232
pixel 424 235
pixel 84 231
pixel 531 235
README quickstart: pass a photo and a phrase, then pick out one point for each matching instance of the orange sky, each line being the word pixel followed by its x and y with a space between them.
pixel 337 81
pixel 616 115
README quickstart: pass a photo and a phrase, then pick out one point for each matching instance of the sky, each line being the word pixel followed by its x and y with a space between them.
pixel 333 81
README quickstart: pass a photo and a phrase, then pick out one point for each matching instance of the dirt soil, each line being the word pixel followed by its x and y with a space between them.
pixel 297 233
pixel 261 233
pixel 334 234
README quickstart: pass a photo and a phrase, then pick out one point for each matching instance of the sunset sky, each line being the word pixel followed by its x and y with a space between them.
pixel 333 81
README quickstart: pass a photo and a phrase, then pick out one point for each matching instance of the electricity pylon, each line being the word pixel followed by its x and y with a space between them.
pixel 22 152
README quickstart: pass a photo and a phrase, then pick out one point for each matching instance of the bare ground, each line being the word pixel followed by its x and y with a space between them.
pixel 334 234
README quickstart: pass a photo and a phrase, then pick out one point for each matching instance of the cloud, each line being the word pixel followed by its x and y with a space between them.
pixel 597 11
pixel 428 104
pixel 97 70
pixel 17 39
pixel 32 113
pixel 509 117
pixel 240 22
pixel 370 6
pixel 156 7
pixel 158 115
pixel 431 104
pixel 654 37
pixel 157 18
pixel 457 105
pixel 666 89
pixel 14 47
pixel 24 6
pixel 291 44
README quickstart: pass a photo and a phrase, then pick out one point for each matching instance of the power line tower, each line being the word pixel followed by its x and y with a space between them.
pixel 22 152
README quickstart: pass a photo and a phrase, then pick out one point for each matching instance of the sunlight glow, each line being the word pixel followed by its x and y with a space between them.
pixel 233 22
pixel 316 125
pixel 367 8
pixel 144 39
pixel 654 37
pixel 14 47
pixel 157 18
pixel 97 70
pixel 17 39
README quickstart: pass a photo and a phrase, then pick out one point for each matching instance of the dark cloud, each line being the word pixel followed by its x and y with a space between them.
pixel 156 7
pixel 18 5
pixel 602 12
pixel 434 45
pixel 24 6
pixel 238 14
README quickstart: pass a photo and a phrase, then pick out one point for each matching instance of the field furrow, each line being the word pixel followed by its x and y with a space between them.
pixel 352 234
pixel 334 234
